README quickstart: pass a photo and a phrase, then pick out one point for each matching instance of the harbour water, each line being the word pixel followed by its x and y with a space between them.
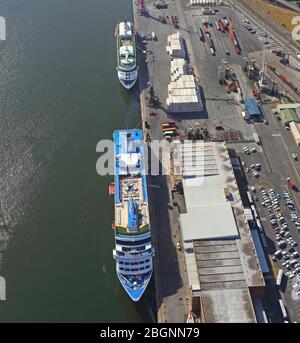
pixel 59 95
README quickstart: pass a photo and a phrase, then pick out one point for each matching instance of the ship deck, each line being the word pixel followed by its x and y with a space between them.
pixel 130 188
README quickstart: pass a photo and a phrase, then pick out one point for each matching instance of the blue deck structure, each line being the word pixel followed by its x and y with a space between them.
pixel 133 248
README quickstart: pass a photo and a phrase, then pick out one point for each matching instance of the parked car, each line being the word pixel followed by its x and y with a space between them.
pixel 281 244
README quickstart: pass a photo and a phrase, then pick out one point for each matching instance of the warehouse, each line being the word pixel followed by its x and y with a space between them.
pixel 289 113
pixel 295 130
pixel 223 268
pixel 251 108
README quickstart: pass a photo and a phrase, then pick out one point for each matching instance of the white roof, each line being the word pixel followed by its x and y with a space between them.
pixel 295 129
pixel 209 213
pixel 208 222
pixel 125 29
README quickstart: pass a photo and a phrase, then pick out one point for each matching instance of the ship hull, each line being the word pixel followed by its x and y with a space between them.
pixel 134 294
pixel 128 79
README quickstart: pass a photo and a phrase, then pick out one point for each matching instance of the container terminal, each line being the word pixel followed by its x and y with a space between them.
pixel 212 77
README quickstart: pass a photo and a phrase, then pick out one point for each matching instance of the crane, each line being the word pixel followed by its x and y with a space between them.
pixel 263 71
pixel 142 7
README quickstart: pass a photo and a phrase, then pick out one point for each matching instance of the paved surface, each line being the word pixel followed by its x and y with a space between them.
pixel 277 165
pixel 218 104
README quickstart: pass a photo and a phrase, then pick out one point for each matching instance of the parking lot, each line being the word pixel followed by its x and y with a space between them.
pixel 262 36
pixel 279 216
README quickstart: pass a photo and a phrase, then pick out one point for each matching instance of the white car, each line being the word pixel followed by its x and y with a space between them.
pixel 292 275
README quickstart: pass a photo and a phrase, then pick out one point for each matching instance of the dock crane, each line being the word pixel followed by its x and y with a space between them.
pixel 263 72
pixel 142 7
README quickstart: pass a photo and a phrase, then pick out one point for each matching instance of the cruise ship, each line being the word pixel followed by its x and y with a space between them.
pixel 133 248
pixel 126 54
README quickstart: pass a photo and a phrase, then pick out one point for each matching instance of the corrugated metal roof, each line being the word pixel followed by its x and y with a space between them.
pixel 251 107
pixel 289 114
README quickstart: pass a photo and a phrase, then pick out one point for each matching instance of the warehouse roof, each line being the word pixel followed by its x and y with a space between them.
pixel 205 193
pixel 220 256
pixel 295 129
pixel 227 306
pixel 251 107
pixel 289 114
pixel 208 222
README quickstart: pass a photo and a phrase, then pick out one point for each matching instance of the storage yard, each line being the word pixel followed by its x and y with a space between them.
pixel 195 83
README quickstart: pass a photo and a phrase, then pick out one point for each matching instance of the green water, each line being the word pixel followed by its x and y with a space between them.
pixel 59 95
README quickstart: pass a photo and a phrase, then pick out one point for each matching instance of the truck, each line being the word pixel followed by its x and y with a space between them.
pixel 256 138
pixel 294 156
pixel 218 125
pixel 292 183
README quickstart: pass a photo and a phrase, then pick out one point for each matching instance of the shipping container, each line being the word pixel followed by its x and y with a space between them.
pixel 169 129
pixel 168 133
